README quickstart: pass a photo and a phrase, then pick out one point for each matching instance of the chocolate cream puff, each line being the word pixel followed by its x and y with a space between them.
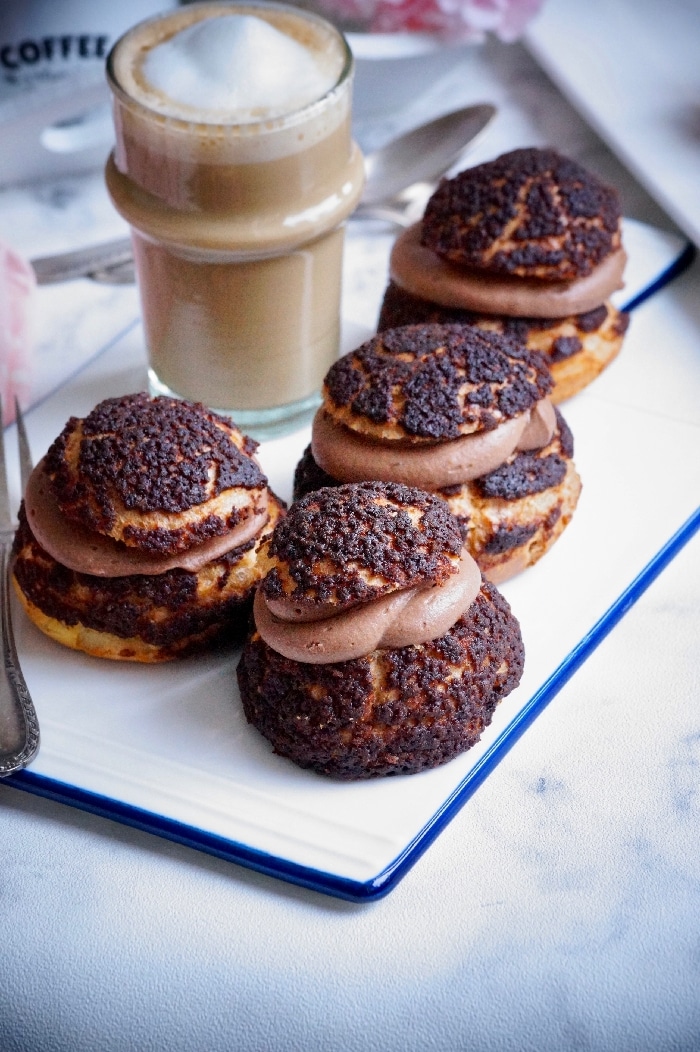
pixel 377 647
pixel 140 529
pixel 527 245
pixel 460 412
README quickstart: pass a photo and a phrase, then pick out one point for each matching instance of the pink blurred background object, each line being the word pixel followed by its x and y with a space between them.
pixel 456 21
pixel 404 48
pixel 17 285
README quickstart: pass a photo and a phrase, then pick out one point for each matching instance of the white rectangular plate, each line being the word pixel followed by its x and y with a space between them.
pixel 167 749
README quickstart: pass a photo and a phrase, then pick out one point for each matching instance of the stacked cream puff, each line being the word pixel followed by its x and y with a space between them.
pixel 459 412
pixel 378 648
pixel 528 245
pixel 140 531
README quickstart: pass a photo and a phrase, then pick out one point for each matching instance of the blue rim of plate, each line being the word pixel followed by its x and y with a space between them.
pixel 380 885
pixel 387 879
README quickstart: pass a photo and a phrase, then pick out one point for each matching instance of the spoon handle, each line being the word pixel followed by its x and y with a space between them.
pixel 399 217
pixel 66 266
pixel 122 272
pixel 111 263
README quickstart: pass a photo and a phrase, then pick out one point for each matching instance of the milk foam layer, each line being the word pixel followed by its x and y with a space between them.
pixel 237 67
pixel 251 67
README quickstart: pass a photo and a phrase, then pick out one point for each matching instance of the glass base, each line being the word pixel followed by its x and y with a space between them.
pixel 261 424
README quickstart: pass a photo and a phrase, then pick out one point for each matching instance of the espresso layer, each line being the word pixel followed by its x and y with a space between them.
pixel 265 332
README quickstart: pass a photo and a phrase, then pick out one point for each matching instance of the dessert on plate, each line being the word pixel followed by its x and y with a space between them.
pixel 527 245
pixel 377 647
pixel 461 412
pixel 140 529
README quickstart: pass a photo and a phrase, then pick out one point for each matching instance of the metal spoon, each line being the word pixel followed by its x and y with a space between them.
pixel 423 154
pixel 396 172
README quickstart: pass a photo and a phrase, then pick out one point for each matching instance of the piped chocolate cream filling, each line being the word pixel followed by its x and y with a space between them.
pixel 412 616
pixel 422 272
pixel 86 551
pixel 349 456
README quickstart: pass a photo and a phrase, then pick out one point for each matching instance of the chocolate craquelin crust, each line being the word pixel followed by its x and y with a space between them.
pixel 149 455
pixel 393 712
pixel 577 347
pixel 309 477
pixel 356 542
pixel 176 611
pixel 400 307
pixel 525 474
pixel 437 382
pixel 530 213
pixel 507 538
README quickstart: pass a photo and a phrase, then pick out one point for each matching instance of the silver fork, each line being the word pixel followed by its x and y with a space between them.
pixel 19 727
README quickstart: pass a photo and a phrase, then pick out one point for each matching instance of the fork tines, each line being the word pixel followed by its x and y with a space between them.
pixel 25 456
pixel 19 727
pixel 25 464
pixel 5 517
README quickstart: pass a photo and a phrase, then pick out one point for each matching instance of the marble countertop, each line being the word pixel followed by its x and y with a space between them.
pixel 558 910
